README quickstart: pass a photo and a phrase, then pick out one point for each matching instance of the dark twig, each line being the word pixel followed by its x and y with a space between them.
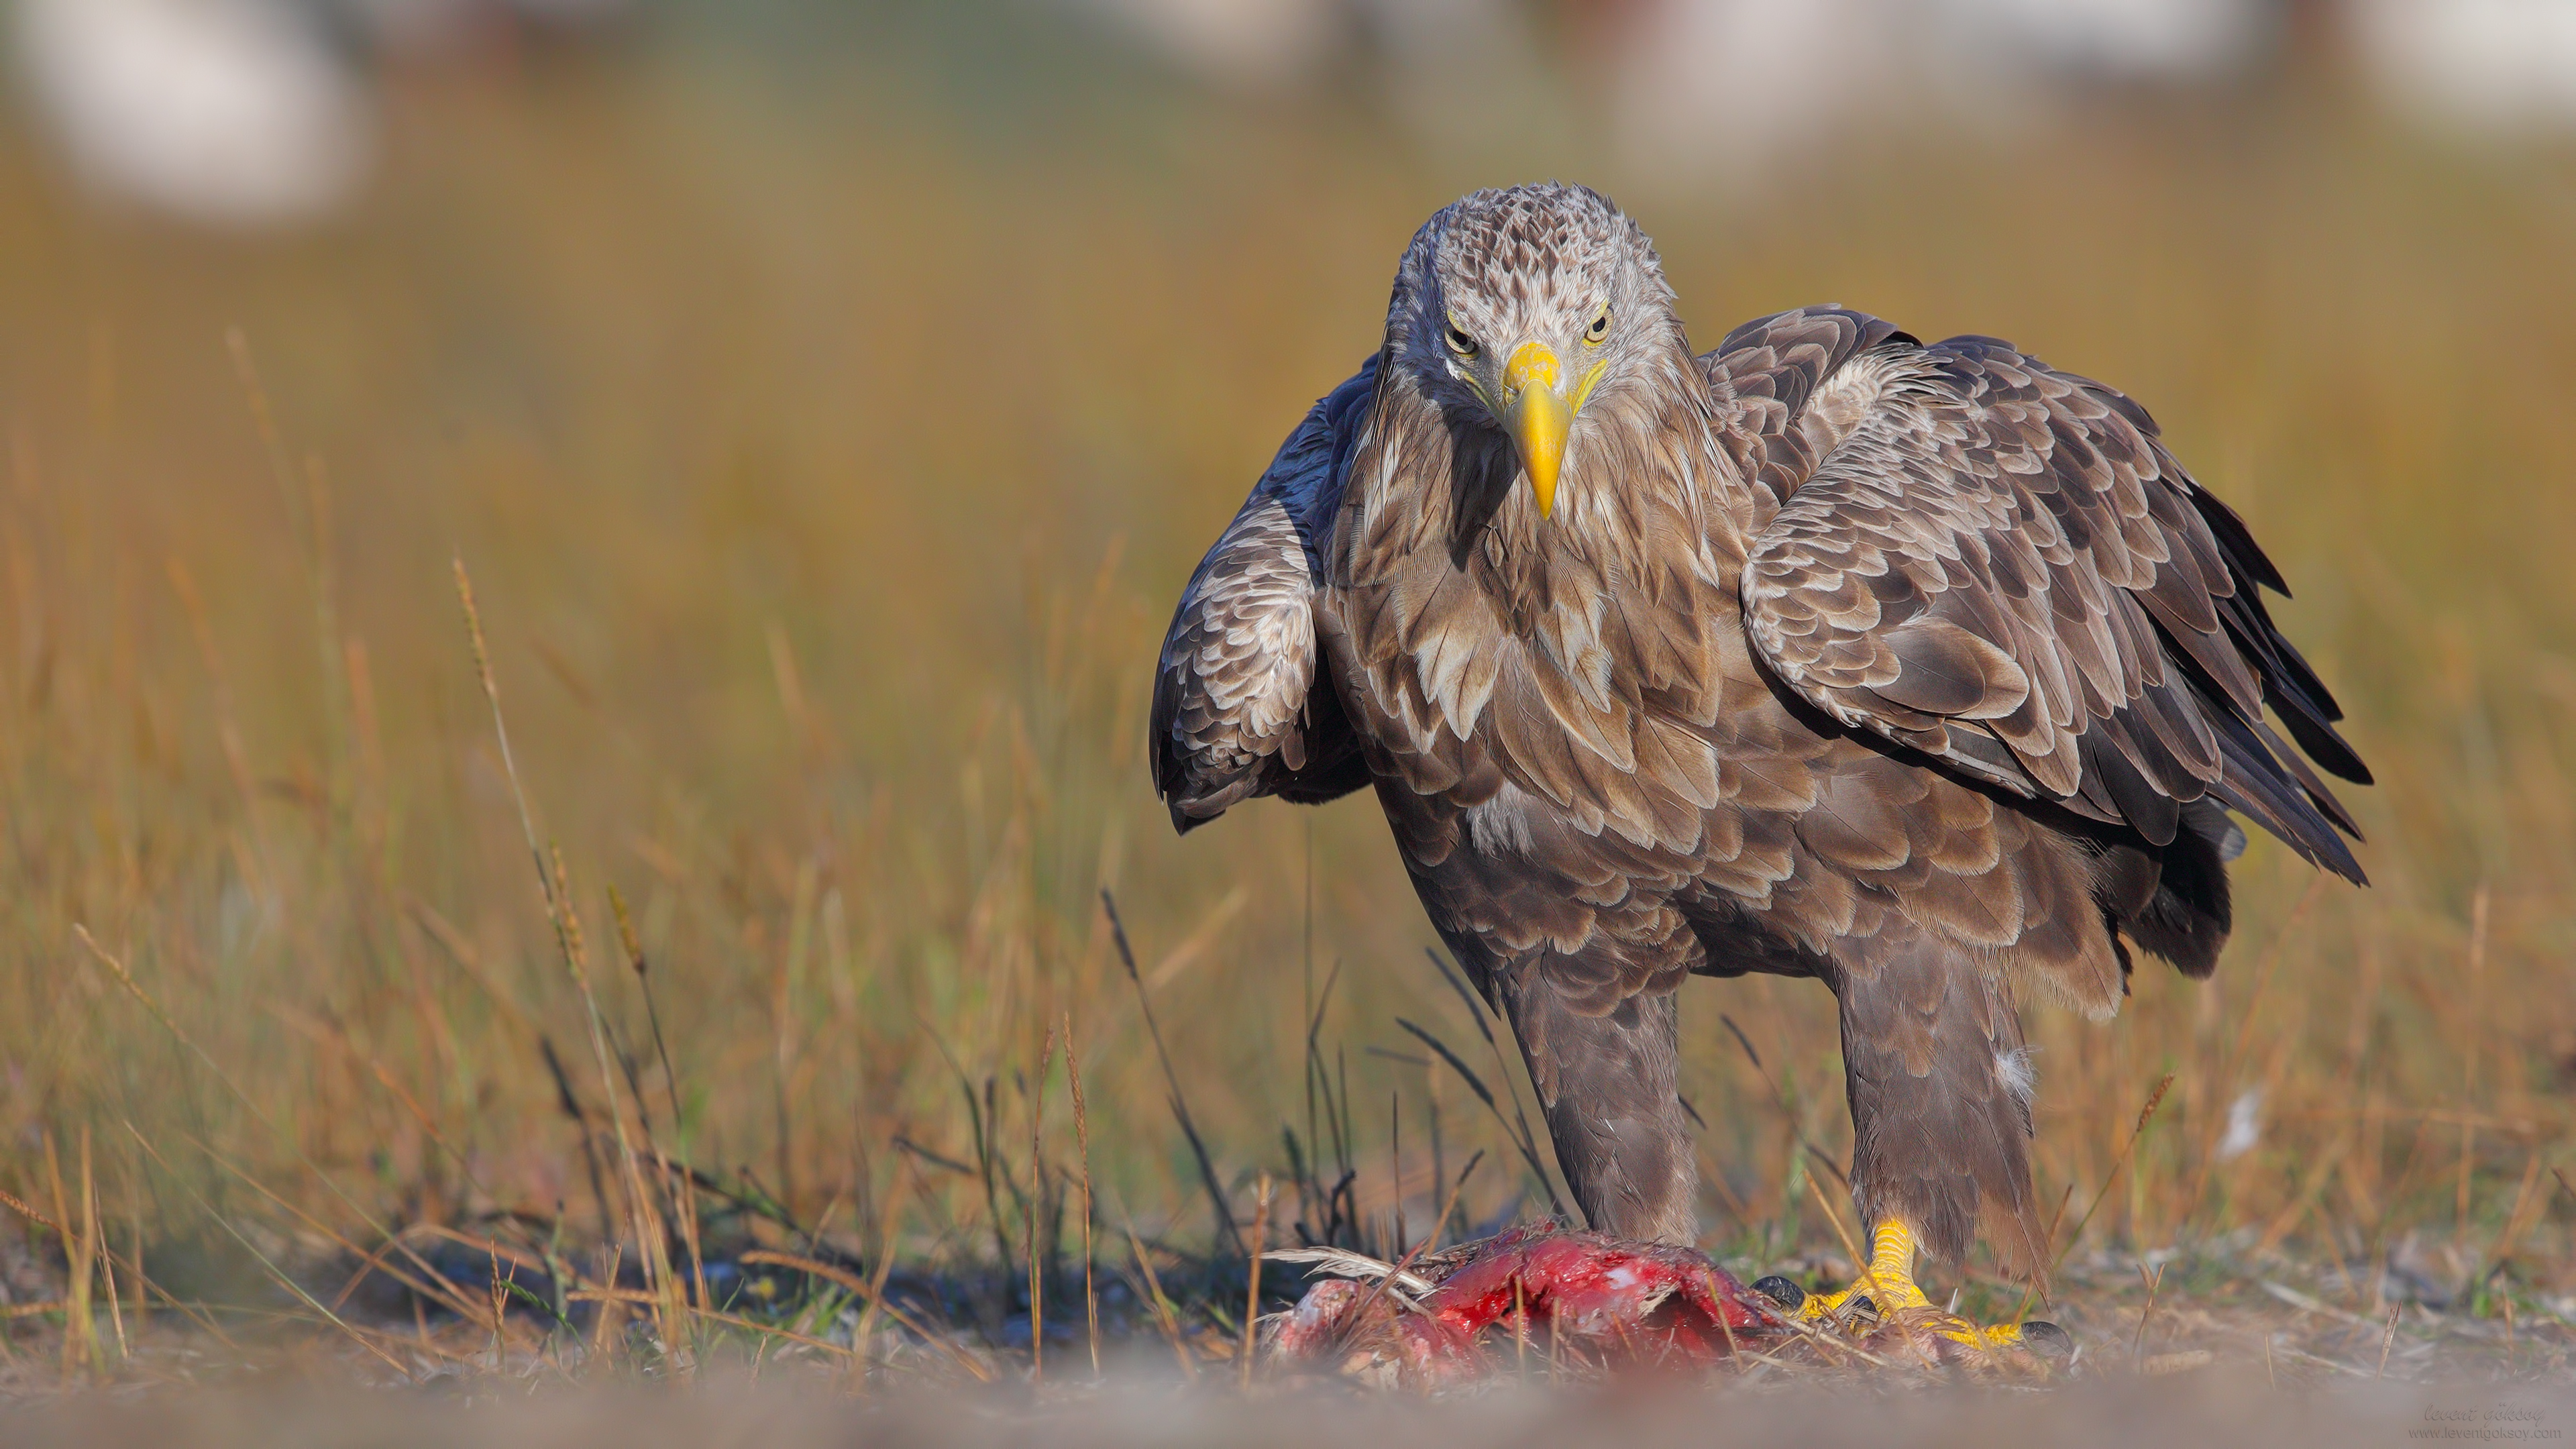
pixel 1477 1006
pixel 935 1159
pixel 581 1123
pixel 635 956
pixel 1522 1139
pixel 1180 1106
pixel 1781 1100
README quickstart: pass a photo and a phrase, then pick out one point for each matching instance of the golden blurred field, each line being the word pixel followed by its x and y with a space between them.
pixel 826 443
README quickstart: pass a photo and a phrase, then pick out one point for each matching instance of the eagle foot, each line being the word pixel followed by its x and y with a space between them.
pixel 1885 1297
pixel 1536 1296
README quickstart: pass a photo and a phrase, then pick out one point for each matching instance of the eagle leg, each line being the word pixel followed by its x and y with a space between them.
pixel 1607 1085
pixel 1886 1292
pixel 1940 1083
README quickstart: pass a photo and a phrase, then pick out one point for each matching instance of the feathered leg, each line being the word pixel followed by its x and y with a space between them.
pixel 1940 1089
pixel 1613 1107
pixel 1940 1085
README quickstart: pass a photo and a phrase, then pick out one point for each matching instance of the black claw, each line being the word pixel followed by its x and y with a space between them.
pixel 2047 1339
pixel 1781 1291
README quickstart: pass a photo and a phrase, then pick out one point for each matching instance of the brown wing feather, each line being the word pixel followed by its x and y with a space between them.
pixel 1238 711
pixel 1762 377
pixel 2001 567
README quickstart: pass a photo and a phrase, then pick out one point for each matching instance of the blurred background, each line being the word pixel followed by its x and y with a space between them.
pixel 828 399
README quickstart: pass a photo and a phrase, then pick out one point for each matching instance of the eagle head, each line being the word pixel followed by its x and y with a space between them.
pixel 1533 310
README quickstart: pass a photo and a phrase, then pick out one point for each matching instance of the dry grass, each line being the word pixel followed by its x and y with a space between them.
pixel 823 468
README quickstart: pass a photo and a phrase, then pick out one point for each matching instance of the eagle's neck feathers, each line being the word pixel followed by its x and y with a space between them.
pixel 1596 625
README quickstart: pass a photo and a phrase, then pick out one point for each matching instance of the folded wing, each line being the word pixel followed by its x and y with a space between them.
pixel 2003 568
pixel 1241 704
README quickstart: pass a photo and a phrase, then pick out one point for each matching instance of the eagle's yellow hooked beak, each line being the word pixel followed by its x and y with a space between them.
pixel 1538 415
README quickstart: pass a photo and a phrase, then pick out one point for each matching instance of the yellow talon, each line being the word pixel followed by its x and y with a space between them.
pixel 1887 1283
pixel 1886 1287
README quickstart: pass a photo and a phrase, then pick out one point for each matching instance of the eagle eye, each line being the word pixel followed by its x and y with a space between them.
pixel 1460 342
pixel 1600 328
